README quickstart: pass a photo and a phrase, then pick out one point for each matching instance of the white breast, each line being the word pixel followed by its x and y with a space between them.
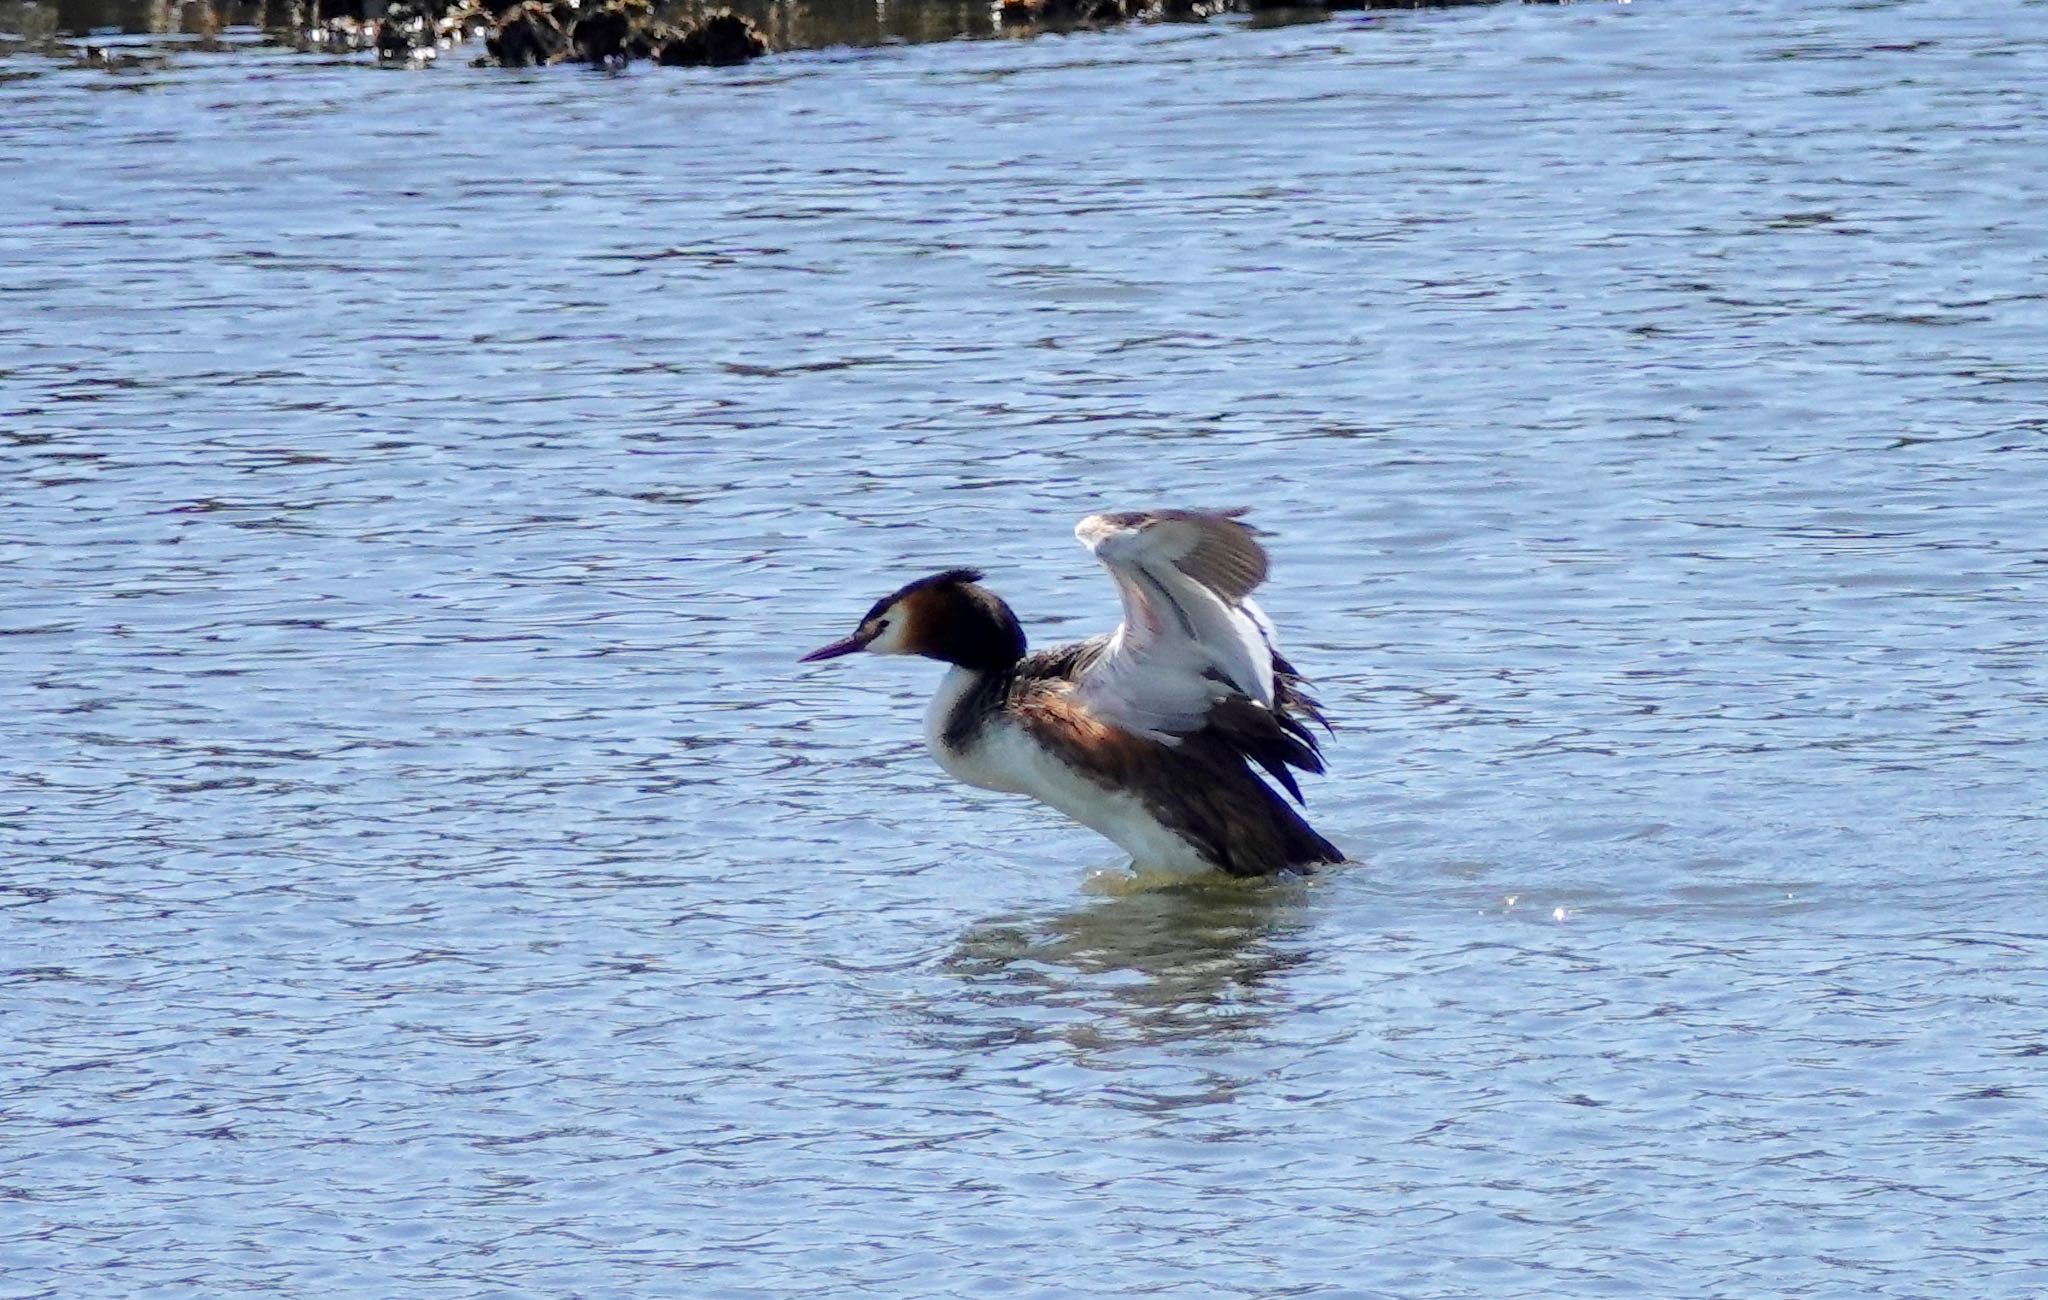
pixel 1002 756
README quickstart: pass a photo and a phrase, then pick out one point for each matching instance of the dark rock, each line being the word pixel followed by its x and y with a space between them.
pixel 528 36
pixel 403 33
pixel 720 41
pixel 1064 13
pixel 609 37
pixel 339 35
pixel 600 37
pixel 463 22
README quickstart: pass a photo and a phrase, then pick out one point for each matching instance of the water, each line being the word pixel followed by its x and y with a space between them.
pixel 428 874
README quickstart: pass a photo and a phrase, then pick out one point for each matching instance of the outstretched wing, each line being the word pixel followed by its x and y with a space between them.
pixel 1194 652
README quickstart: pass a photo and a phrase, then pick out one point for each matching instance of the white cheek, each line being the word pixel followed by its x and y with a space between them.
pixel 892 640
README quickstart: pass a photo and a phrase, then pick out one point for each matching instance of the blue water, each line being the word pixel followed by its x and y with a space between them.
pixel 427 872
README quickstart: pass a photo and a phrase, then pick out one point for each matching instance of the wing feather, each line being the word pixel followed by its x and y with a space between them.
pixel 1194 653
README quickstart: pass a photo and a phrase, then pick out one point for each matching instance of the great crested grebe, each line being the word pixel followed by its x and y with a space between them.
pixel 1146 735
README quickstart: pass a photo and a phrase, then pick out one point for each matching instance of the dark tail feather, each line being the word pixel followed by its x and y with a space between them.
pixel 1291 696
pixel 1301 848
pixel 1272 740
pixel 1294 709
pixel 1305 849
pixel 1279 772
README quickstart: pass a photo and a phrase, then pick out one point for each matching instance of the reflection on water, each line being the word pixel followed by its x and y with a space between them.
pixel 1150 966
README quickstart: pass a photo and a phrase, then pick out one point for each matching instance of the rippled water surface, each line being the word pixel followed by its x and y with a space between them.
pixel 428 874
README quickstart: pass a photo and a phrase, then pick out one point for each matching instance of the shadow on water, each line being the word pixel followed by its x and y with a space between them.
pixel 1146 967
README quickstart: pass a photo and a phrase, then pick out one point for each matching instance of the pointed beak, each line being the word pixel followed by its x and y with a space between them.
pixel 844 646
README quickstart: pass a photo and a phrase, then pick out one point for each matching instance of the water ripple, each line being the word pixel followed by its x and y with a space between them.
pixel 425 872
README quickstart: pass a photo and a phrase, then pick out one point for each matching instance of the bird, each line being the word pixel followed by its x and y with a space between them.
pixel 1147 735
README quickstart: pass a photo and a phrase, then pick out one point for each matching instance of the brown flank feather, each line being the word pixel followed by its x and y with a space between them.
pixel 1200 788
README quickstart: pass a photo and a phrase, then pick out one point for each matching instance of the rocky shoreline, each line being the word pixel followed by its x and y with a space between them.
pixel 607 34
pixel 535 33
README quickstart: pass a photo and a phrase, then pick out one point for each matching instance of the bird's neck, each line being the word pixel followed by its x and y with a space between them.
pixel 980 635
pixel 966 699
